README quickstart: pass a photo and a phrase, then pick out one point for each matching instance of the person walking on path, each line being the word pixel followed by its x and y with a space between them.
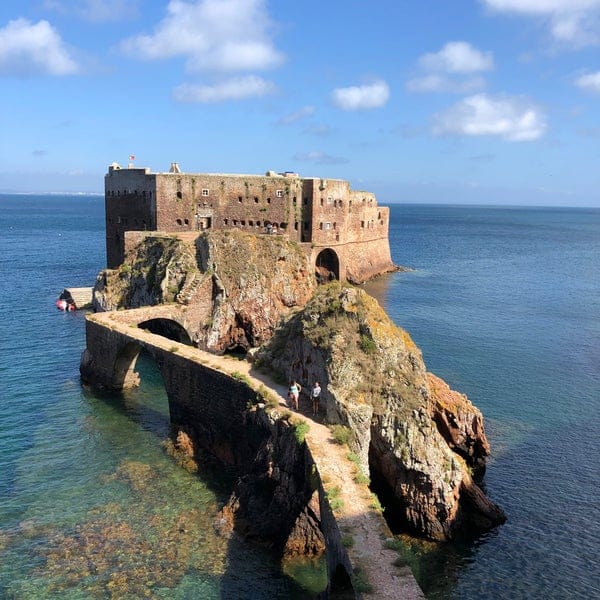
pixel 294 393
pixel 316 392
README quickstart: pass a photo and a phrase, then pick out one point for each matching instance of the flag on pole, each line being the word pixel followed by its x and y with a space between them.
pixel 131 157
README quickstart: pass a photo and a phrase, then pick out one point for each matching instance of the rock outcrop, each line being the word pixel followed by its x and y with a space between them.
pixel 275 499
pixel 419 440
pixel 460 423
pixel 232 287
pixel 375 382
pixel 153 273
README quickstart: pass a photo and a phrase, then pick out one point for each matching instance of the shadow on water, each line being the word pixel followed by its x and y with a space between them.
pixel 181 510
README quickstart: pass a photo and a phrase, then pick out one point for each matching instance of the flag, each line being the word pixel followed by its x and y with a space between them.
pixel 131 157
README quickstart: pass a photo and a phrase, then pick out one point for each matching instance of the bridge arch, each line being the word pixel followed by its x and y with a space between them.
pixel 168 328
pixel 124 375
pixel 327 265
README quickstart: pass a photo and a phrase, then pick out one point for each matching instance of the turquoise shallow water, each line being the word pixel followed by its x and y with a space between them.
pixel 505 304
pixel 91 505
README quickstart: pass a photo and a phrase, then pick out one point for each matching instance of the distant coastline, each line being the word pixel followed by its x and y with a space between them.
pixel 475 205
pixel 13 193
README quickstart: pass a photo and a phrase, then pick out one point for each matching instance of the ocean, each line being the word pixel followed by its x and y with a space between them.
pixel 505 306
pixel 503 302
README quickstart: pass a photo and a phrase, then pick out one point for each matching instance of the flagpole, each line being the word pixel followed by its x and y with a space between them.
pixel 131 159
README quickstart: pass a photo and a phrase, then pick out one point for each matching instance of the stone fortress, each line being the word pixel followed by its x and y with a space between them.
pixel 202 265
pixel 343 231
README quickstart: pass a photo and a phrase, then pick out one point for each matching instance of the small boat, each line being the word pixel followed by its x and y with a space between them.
pixel 74 299
pixel 62 304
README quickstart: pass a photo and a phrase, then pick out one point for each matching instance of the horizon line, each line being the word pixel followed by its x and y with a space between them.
pixel 385 203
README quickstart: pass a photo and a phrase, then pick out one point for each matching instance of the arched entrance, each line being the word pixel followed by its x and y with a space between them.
pixel 138 379
pixel 124 375
pixel 167 328
pixel 327 266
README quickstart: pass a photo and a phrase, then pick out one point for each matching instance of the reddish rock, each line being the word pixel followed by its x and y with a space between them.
pixel 306 538
pixel 459 422
pixel 375 382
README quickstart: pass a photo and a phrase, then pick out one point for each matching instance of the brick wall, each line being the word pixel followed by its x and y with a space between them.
pixel 324 212
pixel 130 205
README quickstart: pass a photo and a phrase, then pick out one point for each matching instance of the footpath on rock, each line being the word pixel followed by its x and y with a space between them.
pixel 360 522
pixel 356 515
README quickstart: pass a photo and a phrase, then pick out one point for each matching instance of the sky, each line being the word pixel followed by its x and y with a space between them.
pixel 437 101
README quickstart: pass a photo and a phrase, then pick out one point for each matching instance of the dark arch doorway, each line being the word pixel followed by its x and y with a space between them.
pixel 168 328
pixel 327 266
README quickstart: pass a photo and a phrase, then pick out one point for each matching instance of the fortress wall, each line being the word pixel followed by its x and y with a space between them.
pixel 330 212
pixel 210 407
pixel 325 212
pixel 129 204
pixel 368 221
pixel 345 216
pixel 245 202
pixel 364 260
pixel 98 359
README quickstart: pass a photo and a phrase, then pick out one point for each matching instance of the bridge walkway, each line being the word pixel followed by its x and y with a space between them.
pixel 356 517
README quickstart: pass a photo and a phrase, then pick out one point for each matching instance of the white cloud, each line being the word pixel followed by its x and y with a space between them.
pixel 442 83
pixel 447 70
pixel 217 35
pixel 236 88
pixel 457 57
pixel 589 82
pixel 27 49
pixel 542 7
pixel 511 118
pixel 297 115
pixel 576 22
pixel 96 11
pixel 373 95
pixel 320 158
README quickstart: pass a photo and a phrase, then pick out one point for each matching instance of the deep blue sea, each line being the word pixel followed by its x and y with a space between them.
pixel 505 305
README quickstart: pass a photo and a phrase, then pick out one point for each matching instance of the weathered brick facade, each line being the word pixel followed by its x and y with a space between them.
pixel 334 224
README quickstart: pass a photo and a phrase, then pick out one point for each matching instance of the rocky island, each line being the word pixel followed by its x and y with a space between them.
pixel 288 305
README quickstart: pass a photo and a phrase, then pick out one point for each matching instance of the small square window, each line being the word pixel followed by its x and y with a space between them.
pixel 205 192
pixel 327 225
pixel 279 193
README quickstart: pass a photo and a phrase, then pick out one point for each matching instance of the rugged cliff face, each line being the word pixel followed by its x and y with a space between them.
pixel 156 271
pixel 419 441
pixel 412 433
pixel 232 287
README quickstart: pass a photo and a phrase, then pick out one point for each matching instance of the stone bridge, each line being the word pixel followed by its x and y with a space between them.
pixel 214 400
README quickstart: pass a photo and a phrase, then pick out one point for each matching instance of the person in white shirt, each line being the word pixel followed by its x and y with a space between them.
pixel 316 392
